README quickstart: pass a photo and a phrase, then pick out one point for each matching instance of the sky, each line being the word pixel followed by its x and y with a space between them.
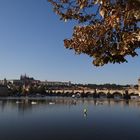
pixel 31 42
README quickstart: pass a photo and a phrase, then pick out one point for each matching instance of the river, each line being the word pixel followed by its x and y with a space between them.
pixel 65 118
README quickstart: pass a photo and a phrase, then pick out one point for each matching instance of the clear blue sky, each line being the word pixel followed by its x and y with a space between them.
pixel 31 42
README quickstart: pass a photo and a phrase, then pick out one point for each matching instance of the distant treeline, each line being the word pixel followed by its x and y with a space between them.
pixel 108 86
pixel 94 86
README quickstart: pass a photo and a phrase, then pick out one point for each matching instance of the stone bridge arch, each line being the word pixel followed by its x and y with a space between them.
pixel 133 94
pixel 102 94
pixel 117 94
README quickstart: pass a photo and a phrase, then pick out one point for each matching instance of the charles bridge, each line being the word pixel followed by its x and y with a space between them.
pixel 97 91
pixel 129 91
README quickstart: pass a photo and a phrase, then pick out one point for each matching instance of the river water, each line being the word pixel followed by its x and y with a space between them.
pixel 63 118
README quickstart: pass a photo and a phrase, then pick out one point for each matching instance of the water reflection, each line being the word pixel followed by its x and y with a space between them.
pixel 85 112
pixel 26 104
pixel 62 118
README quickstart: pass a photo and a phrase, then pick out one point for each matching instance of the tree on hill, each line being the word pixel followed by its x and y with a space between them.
pixel 106 30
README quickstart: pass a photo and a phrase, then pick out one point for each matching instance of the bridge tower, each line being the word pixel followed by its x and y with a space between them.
pixel 139 85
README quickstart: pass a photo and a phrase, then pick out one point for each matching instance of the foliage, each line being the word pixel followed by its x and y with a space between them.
pixel 107 30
